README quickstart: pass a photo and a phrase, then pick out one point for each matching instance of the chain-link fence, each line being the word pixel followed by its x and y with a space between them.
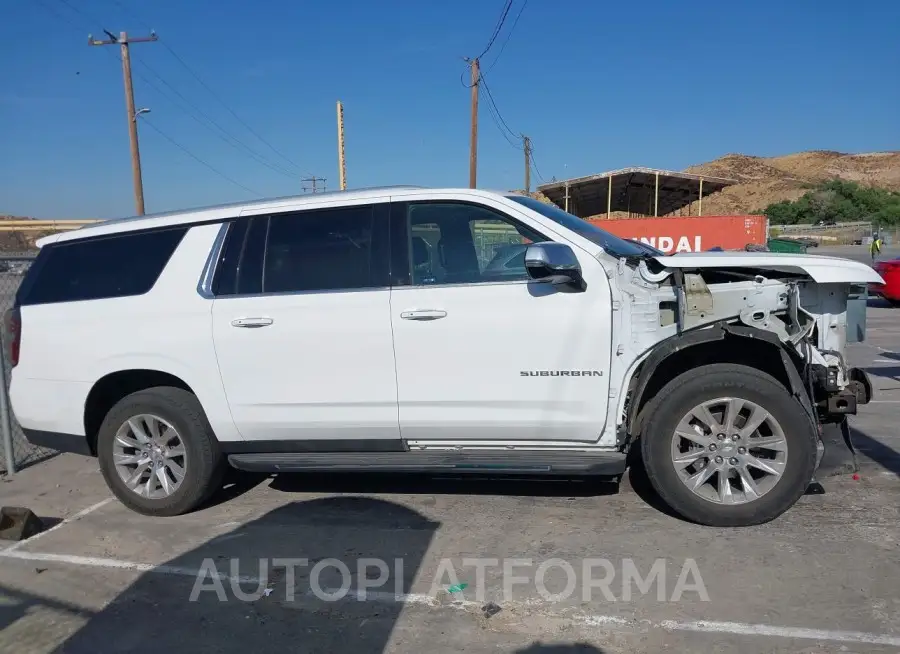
pixel 17 451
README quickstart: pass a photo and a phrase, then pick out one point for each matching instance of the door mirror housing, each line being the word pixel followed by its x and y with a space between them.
pixel 553 263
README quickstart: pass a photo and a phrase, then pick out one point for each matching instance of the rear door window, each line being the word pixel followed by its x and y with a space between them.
pixel 344 248
pixel 240 265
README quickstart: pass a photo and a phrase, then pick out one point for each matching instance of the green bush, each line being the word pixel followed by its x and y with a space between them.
pixel 840 201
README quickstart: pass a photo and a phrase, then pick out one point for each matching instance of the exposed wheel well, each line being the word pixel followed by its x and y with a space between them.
pixel 112 388
pixel 749 352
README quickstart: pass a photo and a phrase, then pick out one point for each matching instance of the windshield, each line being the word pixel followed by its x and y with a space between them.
pixel 617 247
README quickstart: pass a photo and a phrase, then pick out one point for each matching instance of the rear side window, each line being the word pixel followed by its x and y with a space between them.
pixel 113 266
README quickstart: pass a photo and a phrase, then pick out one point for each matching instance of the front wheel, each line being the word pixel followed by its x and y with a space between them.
pixel 728 446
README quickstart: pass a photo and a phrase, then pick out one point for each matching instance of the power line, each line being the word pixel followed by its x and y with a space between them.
pixel 228 108
pixel 500 118
pixel 224 135
pixel 497 29
pixel 57 13
pixel 128 10
pixel 507 132
pixel 503 132
pixel 211 92
pixel 508 34
pixel 198 159
pixel 194 111
pixel 534 164
pixel 93 19
pixel 78 10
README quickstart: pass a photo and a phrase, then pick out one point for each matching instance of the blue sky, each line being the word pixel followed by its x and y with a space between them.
pixel 596 85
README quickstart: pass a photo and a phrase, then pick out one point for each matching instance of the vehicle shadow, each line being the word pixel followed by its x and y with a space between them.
pixel 884 455
pixel 888 372
pixel 639 480
pixel 234 484
pixel 16 604
pixel 273 585
pixel 877 302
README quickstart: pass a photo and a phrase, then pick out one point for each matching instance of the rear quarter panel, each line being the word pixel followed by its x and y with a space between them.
pixel 73 345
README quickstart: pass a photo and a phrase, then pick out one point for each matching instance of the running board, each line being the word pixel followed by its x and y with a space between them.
pixel 531 462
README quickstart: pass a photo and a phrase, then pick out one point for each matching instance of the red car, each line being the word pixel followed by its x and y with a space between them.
pixel 890 273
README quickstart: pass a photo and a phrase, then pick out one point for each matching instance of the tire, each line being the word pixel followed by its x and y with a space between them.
pixel 705 384
pixel 203 463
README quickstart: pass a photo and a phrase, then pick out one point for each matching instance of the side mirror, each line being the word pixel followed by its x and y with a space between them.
pixel 553 263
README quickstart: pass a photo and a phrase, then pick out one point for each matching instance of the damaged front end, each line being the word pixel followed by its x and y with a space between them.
pixel 811 320
pixel 808 307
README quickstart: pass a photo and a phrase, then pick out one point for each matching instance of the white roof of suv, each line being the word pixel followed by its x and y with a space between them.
pixel 223 211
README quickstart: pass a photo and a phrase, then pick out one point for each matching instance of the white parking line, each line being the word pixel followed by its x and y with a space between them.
pixel 742 629
pixel 421 599
pixel 71 518
pixel 707 626
pixel 116 564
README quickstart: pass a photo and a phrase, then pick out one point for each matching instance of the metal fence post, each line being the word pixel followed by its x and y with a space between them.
pixel 5 421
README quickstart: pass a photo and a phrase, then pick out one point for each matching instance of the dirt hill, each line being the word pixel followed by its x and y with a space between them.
pixel 764 180
pixel 18 241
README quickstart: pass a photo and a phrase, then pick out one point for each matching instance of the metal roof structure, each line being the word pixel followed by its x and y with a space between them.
pixel 641 191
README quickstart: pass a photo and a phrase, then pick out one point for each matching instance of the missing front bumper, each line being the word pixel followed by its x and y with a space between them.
pixel 844 402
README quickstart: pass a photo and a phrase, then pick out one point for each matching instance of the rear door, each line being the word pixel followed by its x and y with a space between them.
pixel 302 327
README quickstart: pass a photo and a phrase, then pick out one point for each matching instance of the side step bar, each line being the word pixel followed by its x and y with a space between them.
pixel 499 462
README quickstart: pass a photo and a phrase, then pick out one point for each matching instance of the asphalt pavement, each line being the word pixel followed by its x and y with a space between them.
pixel 484 565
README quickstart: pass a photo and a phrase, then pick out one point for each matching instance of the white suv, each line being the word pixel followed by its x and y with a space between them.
pixel 408 329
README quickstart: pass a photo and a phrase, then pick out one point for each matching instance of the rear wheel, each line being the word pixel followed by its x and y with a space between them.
pixel 157 452
pixel 727 445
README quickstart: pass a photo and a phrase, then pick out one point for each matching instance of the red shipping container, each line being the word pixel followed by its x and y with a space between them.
pixel 690 234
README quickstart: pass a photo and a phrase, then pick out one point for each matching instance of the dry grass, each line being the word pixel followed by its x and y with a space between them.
pixel 764 180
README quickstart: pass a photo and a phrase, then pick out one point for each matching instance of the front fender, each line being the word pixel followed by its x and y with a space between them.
pixel 697 338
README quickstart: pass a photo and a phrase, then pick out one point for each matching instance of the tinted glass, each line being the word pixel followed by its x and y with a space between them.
pixel 614 245
pixel 225 279
pixel 321 250
pixel 250 266
pixel 456 243
pixel 108 267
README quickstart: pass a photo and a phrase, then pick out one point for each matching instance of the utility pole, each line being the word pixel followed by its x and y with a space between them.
pixel 313 188
pixel 342 164
pixel 123 41
pixel 526 145
pixel 473 144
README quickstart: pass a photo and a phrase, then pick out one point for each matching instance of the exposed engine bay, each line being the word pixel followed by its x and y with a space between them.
pixel 807 306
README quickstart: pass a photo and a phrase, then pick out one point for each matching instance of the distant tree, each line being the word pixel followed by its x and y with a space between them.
pixel 838 200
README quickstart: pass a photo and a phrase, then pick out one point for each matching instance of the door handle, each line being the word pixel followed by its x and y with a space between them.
pixel 424 314
pixel 251 322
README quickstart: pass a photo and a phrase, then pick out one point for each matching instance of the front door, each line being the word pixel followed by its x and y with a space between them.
pixel 302 327
pixel 483 352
